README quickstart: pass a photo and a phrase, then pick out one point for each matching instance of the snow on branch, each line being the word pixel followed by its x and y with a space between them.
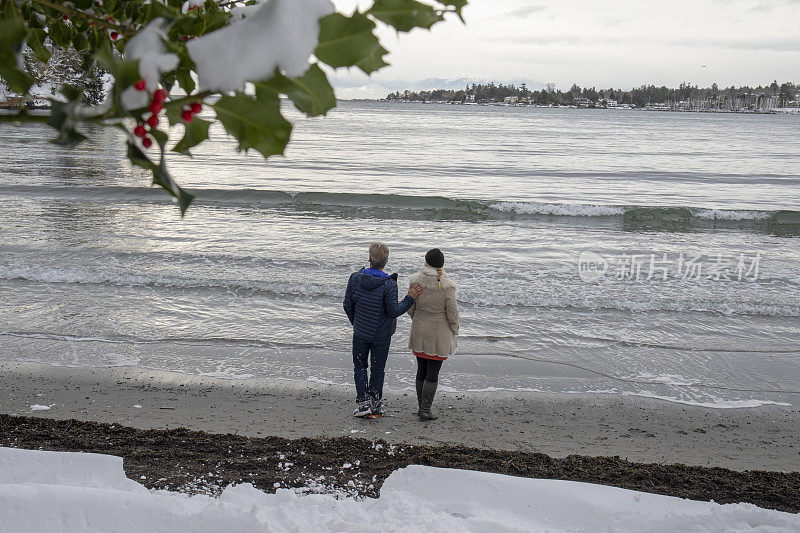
pixel 280 34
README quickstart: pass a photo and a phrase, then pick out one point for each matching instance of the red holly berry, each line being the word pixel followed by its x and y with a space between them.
pixel 139 85
pixel 147 142
pixel 155 108
pixel 152 121
pixel 64 17
pixel 196 107
pixel 160 96
pixel 187 116
pixel 91 24
pixel 139 131
pixel 114 36
pixel 184 38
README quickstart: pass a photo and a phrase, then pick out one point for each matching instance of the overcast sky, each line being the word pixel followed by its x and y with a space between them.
pixel 619 43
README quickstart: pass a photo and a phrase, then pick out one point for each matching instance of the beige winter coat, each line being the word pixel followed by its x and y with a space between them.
pixel 434 315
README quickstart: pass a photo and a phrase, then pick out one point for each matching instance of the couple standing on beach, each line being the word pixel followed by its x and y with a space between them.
pixel 372 307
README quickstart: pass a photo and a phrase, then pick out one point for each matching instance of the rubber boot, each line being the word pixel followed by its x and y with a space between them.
pixel 428 392
pixel 419 395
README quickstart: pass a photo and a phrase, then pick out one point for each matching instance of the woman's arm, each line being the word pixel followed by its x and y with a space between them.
pixel 451 309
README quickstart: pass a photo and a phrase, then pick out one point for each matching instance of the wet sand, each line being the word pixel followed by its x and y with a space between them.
pixel 637 429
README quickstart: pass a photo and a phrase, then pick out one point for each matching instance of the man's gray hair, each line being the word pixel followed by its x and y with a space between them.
pixel 378 254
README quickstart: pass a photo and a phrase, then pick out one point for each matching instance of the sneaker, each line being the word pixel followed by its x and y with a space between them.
pixel 377 408
pixel 363 409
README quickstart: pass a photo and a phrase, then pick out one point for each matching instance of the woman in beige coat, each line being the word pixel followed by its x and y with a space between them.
pixel 434 326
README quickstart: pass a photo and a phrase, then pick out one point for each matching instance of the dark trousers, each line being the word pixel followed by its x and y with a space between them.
pixel 372 354
pixel 428 369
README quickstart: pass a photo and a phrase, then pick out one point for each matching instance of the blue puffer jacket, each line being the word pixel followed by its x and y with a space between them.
pixel 371 304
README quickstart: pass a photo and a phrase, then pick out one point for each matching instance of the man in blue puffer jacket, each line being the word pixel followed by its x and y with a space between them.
pixel 372 307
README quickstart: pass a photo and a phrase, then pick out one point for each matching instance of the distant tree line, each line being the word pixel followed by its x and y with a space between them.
pixel 66 66
pixel 639 97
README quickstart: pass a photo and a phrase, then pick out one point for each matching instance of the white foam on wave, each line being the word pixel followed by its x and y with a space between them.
pixel 572 210
pixel 88 277
pixel 728 214
pixel 663 379
pixel 68 338
pixel 590 210
pixel 641 305
pixel 73 360
pixel 712 403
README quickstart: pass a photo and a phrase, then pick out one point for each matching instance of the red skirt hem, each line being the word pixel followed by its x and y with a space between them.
pixel 423 355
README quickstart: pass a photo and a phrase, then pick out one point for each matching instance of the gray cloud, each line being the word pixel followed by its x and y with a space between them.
pixel 614 21
pixel 773 44
pixel 526 11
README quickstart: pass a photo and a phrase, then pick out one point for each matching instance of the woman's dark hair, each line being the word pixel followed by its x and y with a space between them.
pixel 435 258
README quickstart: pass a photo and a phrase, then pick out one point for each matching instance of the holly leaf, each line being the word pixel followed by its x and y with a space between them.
pixel 62 117
pixel 184 71
pixel 173 110
pixel 125 72
pixel 161 137
pixel 195 132
pixel 12 39
pixel 373 60
pixel 350 41
pixel 138 157
pixel 255 122
pixel 162 178
pixel 36 42
pixel 311 93
pixel 404 15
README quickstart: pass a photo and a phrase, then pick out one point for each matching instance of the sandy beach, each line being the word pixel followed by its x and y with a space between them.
pixel 638 429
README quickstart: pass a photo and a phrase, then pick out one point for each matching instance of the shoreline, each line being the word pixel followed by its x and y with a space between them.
pixel 775 111
pixel 634 428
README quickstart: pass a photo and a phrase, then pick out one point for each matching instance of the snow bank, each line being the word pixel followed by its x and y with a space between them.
pixel 73 492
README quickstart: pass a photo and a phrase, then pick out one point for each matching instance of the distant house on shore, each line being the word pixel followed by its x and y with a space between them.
pixel 511 100
pixel 581 101
pixel 658 107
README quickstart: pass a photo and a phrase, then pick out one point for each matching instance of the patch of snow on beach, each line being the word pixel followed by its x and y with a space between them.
pixel 81 492
pixel 37 407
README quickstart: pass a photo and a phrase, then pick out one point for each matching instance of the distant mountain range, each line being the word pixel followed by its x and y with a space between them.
pixel 351 86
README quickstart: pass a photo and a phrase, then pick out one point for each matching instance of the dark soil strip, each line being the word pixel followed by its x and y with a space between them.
pixel 194 461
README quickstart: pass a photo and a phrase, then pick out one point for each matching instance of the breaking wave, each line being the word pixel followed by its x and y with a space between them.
pixel 432 207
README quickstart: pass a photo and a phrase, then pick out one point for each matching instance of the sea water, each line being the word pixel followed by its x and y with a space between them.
pixel 603 251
